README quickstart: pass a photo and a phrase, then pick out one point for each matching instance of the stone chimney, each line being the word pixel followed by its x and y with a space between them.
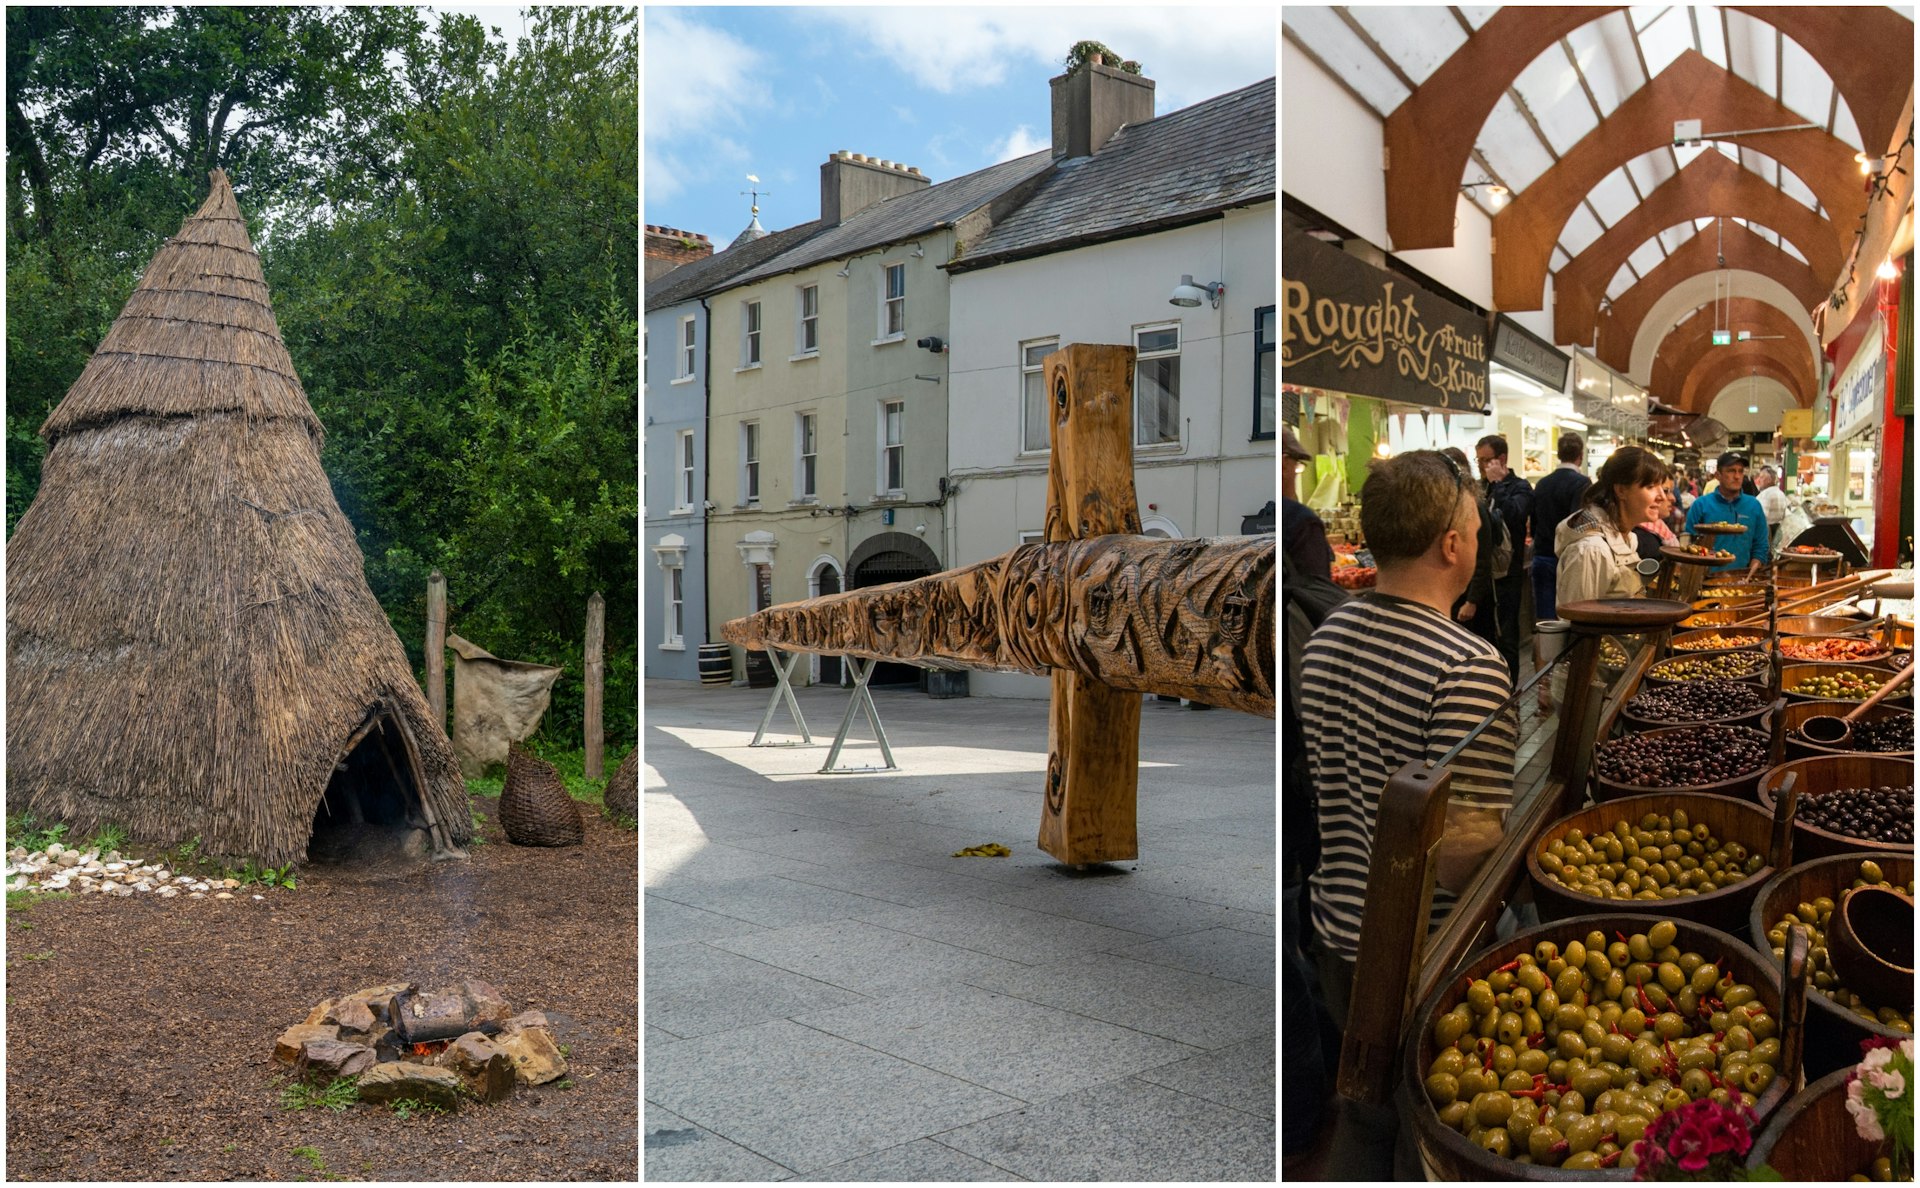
pixel 1092 103
pixel 851 182
pixel 669 247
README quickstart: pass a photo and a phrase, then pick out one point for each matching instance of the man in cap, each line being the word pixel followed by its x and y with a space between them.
pixel 1302 535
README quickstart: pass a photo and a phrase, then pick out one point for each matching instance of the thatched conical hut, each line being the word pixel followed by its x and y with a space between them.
pixel 192 647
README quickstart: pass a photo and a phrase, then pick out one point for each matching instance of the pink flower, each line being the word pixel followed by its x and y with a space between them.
pixel 1864 1119
pixel 1888 1081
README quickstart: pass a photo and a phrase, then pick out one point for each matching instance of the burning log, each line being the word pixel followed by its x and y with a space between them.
pixel 1186 618
pixel 421 1019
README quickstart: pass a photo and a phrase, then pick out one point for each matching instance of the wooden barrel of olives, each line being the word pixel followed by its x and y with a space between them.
pixel 1447 1150
pixel 1833 1032
pixel 1754 669
pixel 1752 719
pixel 1815 624
pixel 1688 643
pixel 1797 712
pixel 1734 822
pixel 1874 652
pixel 1710 618
pixel 1739 787
pixel 1792 675
pixel 1824 774
pixel 1812 1138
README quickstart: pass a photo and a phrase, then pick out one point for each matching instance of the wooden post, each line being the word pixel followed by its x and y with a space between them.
pixel 1093 733
pixel 596 681
pixel 437 646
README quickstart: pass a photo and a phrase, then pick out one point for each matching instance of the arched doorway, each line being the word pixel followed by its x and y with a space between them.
pixel 825 579
pixel 1161 527
pixel 892 557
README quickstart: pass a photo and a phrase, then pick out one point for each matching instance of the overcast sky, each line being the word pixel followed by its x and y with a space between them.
pixel 731 91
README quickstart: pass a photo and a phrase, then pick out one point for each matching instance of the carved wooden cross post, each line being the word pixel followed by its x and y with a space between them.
pixel 1093 731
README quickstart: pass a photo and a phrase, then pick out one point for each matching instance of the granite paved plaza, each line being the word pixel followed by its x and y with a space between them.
pixel 830 995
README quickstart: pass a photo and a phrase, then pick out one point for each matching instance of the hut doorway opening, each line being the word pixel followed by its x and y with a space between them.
pixel 372 810
pixel 892 557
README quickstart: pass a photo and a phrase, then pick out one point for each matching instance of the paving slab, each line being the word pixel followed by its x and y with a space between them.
pixel 1176 1004
pixel 807 1100
pixel 1125 1130
pixel 1221 952
pixel 899 883
pixel 1007 1044
pixel 1115 903
pixel 1238 1075
pixel 695 990
pixel 677 1150
pixel 1248 886
pixel 862 957
pixel 988 926
pixel 710 861
pixel 670 923
pixel 923 1161
pixel 770 901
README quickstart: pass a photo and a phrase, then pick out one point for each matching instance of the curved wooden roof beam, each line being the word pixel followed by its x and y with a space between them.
pixel 1710 186
pixel 1769 373
pixel 1524 233
pixel 1684 299
pixel 1692 340
pixel 1710 376
pixel 1744 250
pixel 1430 136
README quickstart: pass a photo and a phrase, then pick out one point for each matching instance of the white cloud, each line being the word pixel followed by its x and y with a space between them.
pixel 1017 143
pixel 699 80
pixel 1191 52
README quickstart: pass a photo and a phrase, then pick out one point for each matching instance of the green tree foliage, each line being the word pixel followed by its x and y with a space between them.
pixel 449 227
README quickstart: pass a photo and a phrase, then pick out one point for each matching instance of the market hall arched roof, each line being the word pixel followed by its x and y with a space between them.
pixel 1572 110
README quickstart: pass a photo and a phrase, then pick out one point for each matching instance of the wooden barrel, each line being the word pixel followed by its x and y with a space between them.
pixel 1824 774
pixel 716 664
pixel 1756 670
pixel 1730 820
pixel 1799 711
pixel 1710 618
pixel 1815 624
pixel 1740 787
pixel 1833 1032
pixel 1793 674
pixel 1747 637
pixel 1632 723
pixel 1449 1153
pixel 1873 656
pixel 1813 1138
pixel 760 670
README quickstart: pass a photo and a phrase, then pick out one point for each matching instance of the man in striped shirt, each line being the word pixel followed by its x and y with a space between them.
pixel 1390 678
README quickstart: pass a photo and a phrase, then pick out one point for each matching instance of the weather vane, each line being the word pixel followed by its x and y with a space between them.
pixel 755 192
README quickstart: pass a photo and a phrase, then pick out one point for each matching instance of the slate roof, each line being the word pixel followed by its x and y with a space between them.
pixel 1173 169
pixel 713 272
pixel 908 215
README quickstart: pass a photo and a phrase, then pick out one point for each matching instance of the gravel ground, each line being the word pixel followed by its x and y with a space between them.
pixel 140 1032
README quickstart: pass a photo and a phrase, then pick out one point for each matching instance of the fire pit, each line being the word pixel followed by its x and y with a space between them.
pixel 441 1046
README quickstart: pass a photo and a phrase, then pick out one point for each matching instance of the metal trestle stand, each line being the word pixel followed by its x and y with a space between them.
pixel 783 688
pixel 862 697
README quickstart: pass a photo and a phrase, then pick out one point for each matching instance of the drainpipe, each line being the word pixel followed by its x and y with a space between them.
pixel 706 479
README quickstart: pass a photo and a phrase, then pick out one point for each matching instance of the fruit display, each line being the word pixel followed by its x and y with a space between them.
pixel 1355 577
pixel 1612 655
pixel 1880 814
pixel 1839 686
pixel 1661 857
pixel 1724 666
pixel 1697 701
pixel 1687 757
pixel 1831 650
pixel 1889 736
pixel 1821 977
pixel 1564 1058
pixel 1715 642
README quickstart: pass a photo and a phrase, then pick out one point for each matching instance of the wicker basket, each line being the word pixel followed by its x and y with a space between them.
pixel 623 790
pixel 535 809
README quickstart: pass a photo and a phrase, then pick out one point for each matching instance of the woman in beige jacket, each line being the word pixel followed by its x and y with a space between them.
pixel 1596 546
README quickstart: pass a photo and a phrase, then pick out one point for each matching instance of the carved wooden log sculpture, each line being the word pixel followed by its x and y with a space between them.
pixel 1185 618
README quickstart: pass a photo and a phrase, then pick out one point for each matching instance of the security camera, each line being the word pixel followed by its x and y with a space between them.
pixel 920 528
pixel 933 344
pixel 711 505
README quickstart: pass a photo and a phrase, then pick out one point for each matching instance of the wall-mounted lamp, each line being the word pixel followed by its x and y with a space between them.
pixel 845 269
pixel 1888 270
pixel 1188 295
pixel 919 252
pixel 1496 193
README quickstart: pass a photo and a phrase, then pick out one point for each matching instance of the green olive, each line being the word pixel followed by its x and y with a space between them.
pixel 1493 1109
pixel 1662 934
pixel 1541 1142
pixel 1704 978
pixel 1497 1140
pixel 1582 1161
pixel 1443 1089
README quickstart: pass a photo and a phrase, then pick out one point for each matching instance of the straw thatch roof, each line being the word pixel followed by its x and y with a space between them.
pixel 191 641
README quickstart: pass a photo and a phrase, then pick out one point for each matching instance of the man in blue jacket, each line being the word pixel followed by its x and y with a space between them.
pixel 1727 504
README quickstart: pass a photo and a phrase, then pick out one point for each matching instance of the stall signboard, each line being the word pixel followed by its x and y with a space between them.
pixel 1796 422
pixel 1516 347
pixel 1859 394
pixel 1350 327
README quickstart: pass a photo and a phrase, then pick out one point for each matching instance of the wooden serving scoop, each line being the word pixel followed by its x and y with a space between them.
pixel 1870 943
pixel 1830 731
